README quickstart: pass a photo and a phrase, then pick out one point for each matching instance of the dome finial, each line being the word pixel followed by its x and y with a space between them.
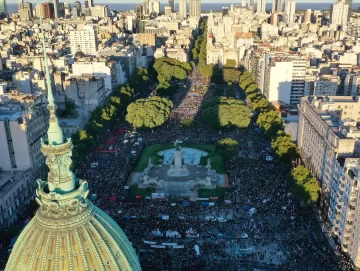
pixel 55 133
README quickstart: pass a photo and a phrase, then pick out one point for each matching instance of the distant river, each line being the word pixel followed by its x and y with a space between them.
pixel 204 6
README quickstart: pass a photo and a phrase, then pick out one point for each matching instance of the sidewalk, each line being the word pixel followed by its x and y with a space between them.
pixel 326 231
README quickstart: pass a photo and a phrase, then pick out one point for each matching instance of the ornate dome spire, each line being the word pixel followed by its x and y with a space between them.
pixel 68 231
pixel 55 134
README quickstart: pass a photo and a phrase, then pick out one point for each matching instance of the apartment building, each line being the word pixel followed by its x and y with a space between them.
pixel 279 77
pixel 111 71
pixel 17 188
pixel 20 134
pixel 87 92
pixel 84 40
pixel 21 161
pixel 344 211
pixel 326 85
pixel 327 132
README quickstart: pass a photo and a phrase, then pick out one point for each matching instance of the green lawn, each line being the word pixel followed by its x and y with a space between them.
pixel 216 160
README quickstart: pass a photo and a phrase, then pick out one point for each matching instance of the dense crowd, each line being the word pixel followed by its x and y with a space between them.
pixel 283 234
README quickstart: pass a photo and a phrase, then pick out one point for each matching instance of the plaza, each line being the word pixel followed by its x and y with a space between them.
pixel 179 173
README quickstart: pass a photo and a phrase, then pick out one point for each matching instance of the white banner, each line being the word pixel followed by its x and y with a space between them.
pixel 157 195
pixel 157 246
pixel 182 246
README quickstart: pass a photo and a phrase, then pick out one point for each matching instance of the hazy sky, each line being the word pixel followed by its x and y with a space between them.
pixel 165 1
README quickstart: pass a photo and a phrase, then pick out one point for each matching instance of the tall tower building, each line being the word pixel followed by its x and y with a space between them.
pixel 182 9
pixel 90 3
pixel 195 8
pixel 56 8
pixel 156 6
pixel 243 3
pixel 172 5
pixel 139 12
pixel 68 231
pixel 261 5
pixel 145 4
pixel 77 5
pixel 290 6
pixel 339 13
pixel 276 6
pixel 252 4
pixel 3 9
pixel 349 2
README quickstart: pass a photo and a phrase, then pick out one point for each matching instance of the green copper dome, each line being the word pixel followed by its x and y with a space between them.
pixel 88 241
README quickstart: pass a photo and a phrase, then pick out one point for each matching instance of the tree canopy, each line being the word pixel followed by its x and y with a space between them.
pixel 271 122
pixel 224 112
pixel 284 148
pixel 168 69
pixel 149 113
pixel 304 184
pixel 226 147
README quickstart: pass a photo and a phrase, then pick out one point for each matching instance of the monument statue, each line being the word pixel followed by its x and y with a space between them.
pixel 178 169
pixel 177 145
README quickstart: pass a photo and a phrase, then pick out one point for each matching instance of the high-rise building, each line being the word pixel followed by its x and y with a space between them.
pixel 90 3
pixel 84 40
pixel 277 5
pixel 61 9
pixel 182 9
pixel 275 18
pixel 243 3
pixel 349 2
pixel 26 11
pixel 155 7
pixel 307 16
pixel 67 9
pixel 172 5
pixel 145 4
pixel 252 4
pixel 3 9
pixel 194 8
pixel 47 10
pixel 77 5
pixel 290 7
pixel 167 11
pixel 339 13
pixel 261 5
pixel 139 12
pixel 56 8
pixel 68 229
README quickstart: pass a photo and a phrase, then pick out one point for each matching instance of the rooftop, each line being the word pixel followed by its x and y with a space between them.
pixel 8 180
pixel 10 114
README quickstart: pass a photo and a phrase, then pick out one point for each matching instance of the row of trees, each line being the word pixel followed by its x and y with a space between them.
pixel 199 50
pixel 168 69
pixel 105 115
pixel 304 184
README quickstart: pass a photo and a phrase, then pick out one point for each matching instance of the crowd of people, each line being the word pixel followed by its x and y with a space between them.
pixel 280 234
pixel 283 234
